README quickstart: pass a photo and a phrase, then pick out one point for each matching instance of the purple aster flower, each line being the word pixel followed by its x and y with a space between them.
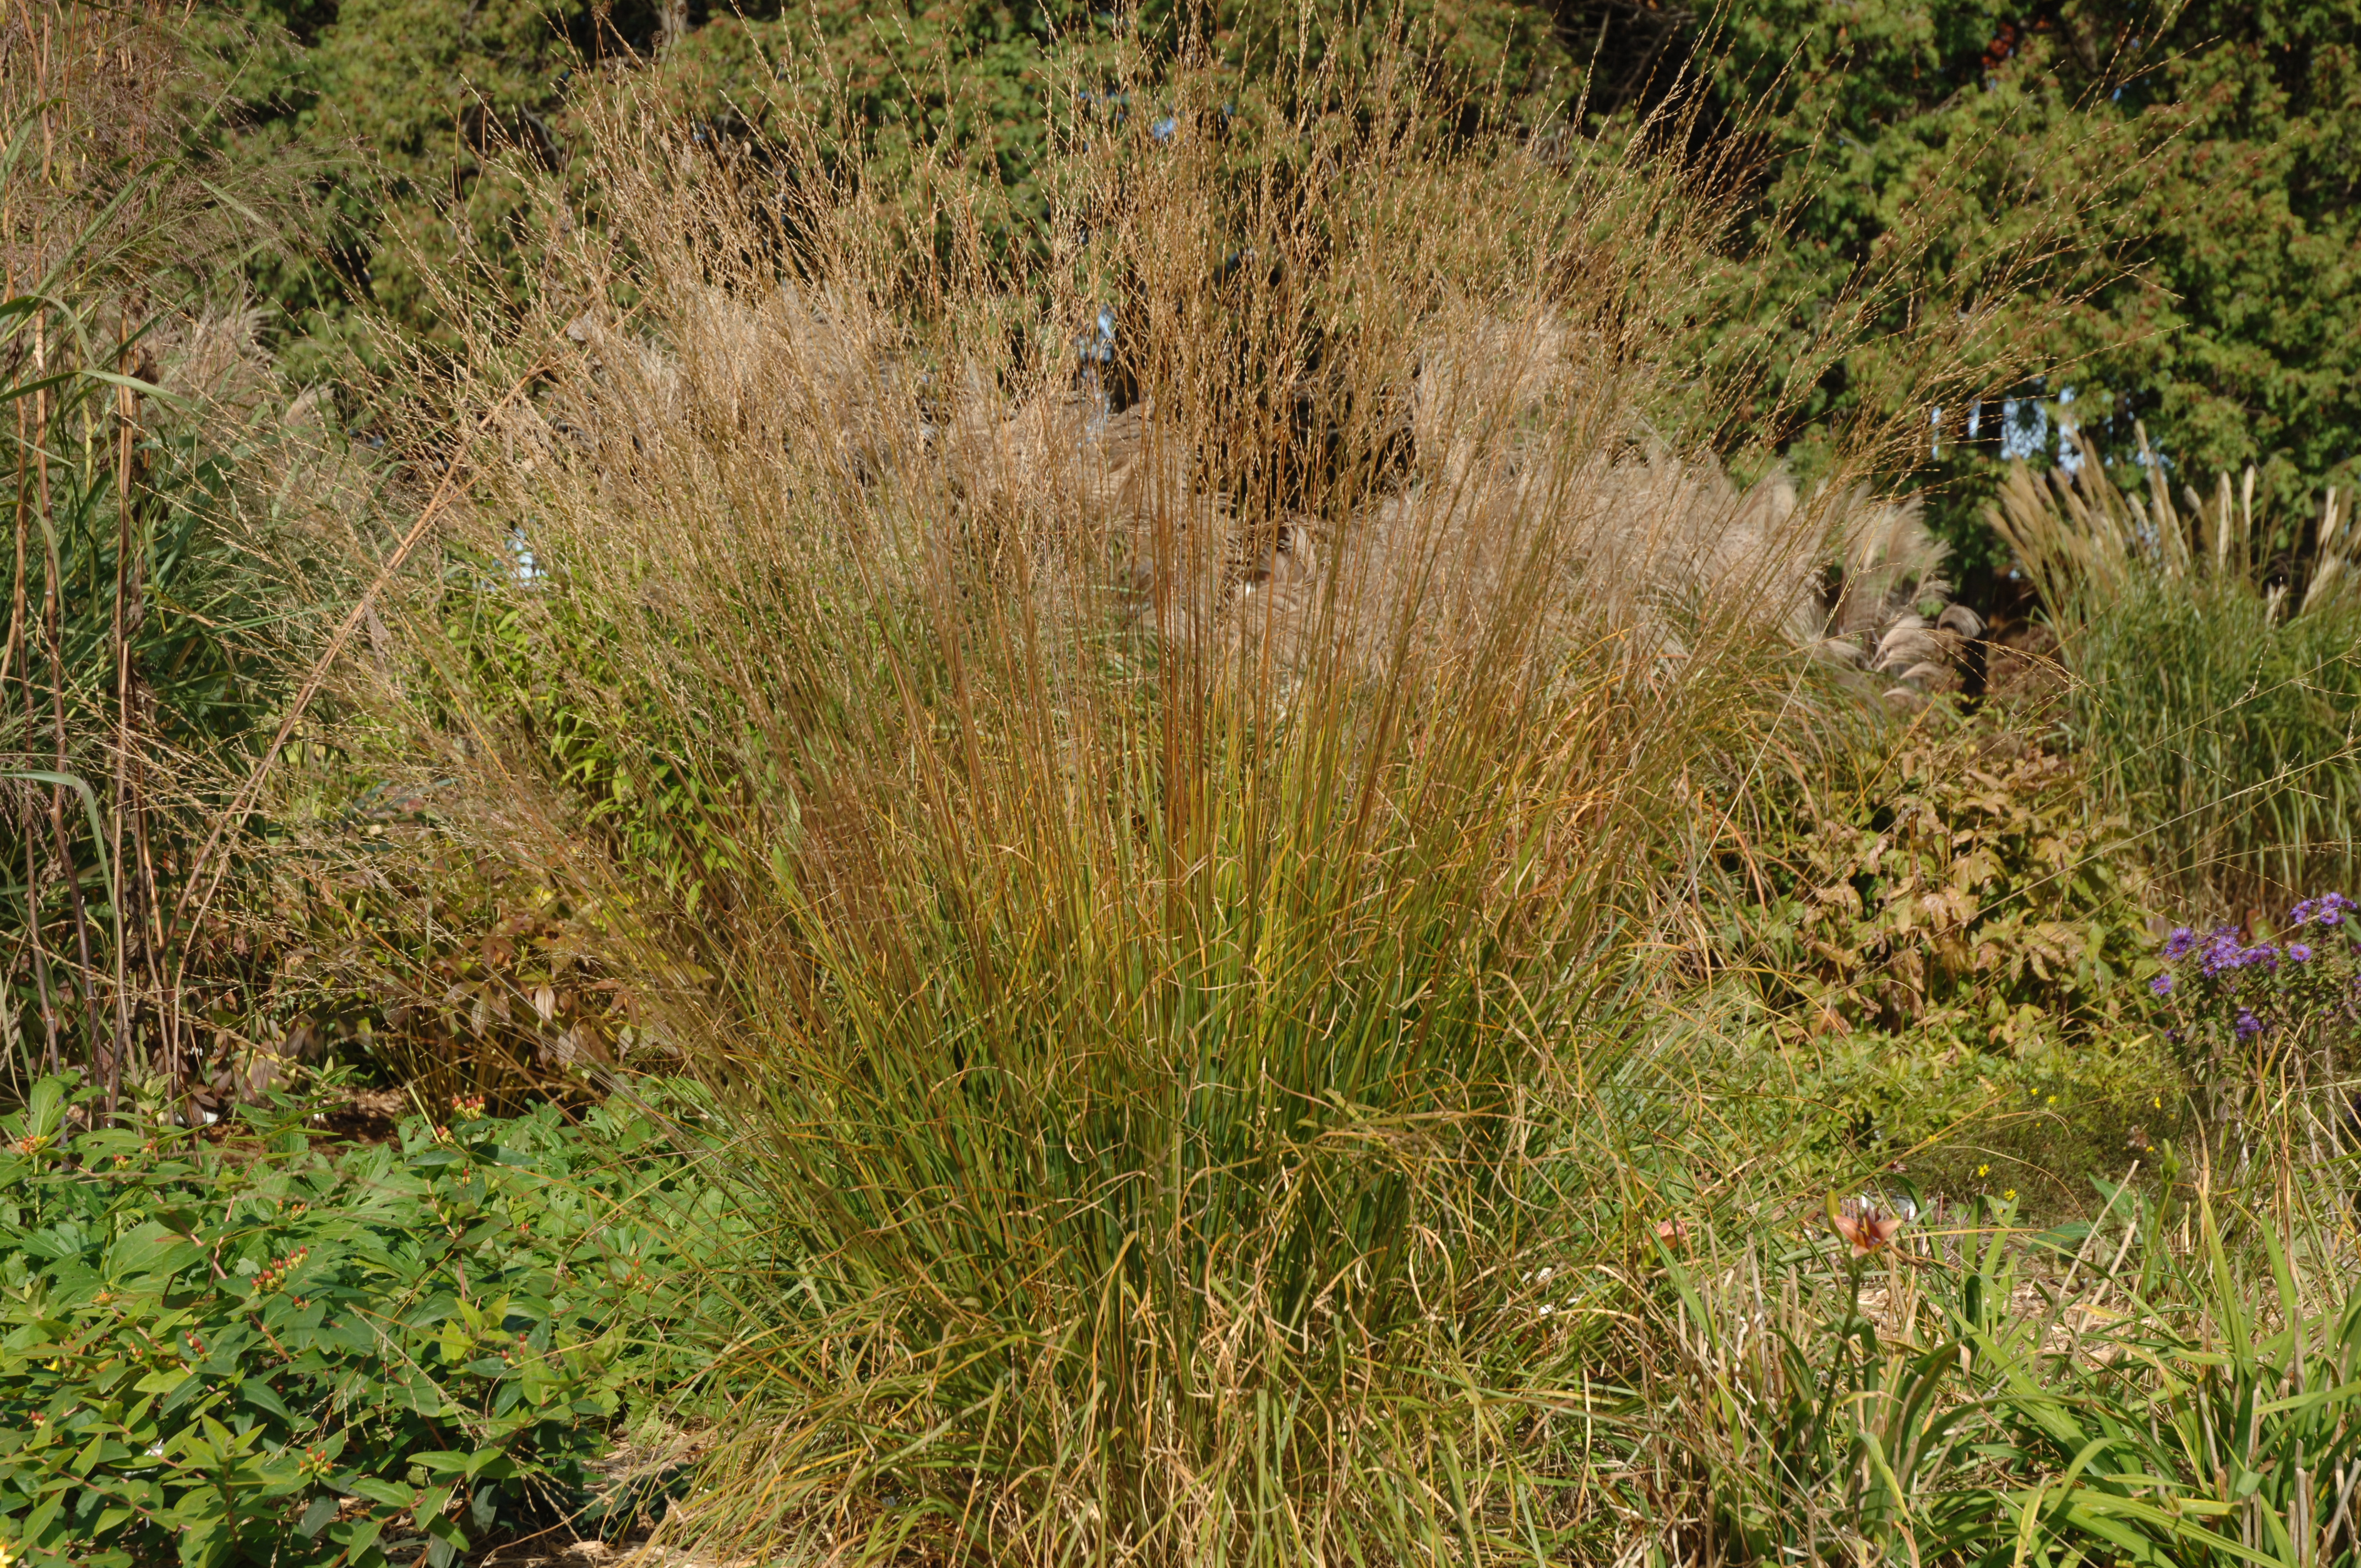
pixel 2303 913
pixel 2332 908
pixel 2178 944
pixel 2248 1025
pixel 2299 953
pixel 2263 954
pixel 2162 984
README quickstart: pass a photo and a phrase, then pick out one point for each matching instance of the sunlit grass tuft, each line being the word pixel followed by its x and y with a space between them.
pixel 1152 784
pixel 2216 683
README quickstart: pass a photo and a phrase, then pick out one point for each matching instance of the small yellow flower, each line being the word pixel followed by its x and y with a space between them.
pixel 2010 1195
pixel 1983 1170
pixel 2053 1100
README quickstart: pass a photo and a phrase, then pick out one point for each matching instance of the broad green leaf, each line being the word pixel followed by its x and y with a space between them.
pixel 263 1396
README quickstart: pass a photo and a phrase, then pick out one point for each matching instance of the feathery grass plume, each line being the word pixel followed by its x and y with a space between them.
pixel 1129 775
pixel 2217 687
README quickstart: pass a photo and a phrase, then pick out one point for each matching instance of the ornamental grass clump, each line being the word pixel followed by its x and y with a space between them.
pixel 1137 773
pixel 161 561
pixel 2216 683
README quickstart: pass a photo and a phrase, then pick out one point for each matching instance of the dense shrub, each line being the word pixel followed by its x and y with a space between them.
pixel 1945 883
pixel 1941 939
pixel 2214 293
pixel 261 1351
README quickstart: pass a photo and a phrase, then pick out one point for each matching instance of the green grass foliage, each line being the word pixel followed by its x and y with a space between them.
pixel 1960 1401
pixel 1279 958
pixel 2217 687
pixel 1135 1004
pixel 2231 730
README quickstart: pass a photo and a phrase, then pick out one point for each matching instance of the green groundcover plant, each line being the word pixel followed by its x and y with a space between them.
pixel 258 1351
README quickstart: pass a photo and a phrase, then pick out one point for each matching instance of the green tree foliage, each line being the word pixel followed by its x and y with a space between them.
pixel 401 107
pixel 2216 303
pixel 2215 285
pixel 431 95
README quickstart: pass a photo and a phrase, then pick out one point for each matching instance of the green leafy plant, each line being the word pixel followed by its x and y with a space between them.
pixel 1939 882
pixel 257 1350
pixel 1938 936
pixel 388 948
